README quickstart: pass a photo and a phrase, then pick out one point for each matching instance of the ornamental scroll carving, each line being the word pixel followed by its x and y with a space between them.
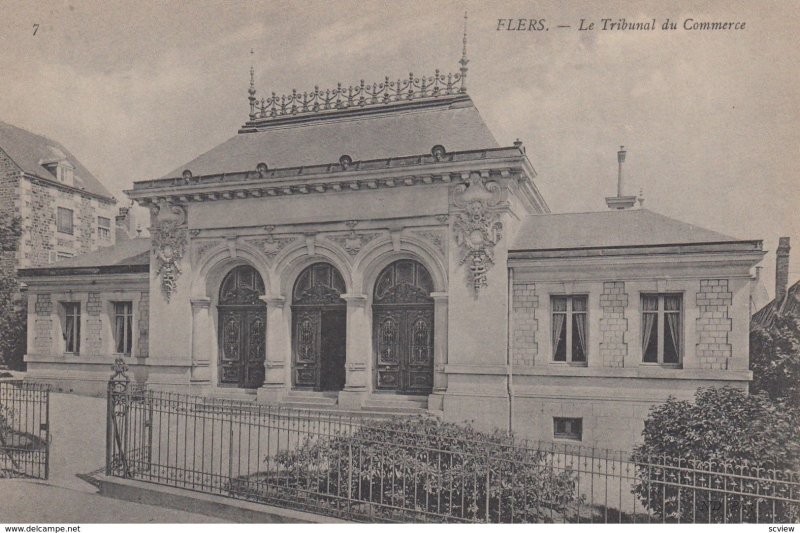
pixel 169 237
pixel 477 227
pixel 353 242
pixel 271 245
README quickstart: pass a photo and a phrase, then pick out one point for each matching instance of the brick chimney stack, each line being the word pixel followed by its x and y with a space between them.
pixel 782 269
pixel 123 223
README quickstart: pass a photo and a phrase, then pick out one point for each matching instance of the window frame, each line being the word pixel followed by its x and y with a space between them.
pixel 127 328
pixel 569 313
pixel 59 228
pixel 103 231
pixel 660 326
pixel 572 433
pixel 66 308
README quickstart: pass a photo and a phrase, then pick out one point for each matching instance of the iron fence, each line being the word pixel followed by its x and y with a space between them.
pixel 368 469
pixel 24 429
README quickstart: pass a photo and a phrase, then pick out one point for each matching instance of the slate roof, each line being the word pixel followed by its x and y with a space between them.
pixel 29 151
pixel 130 255
pixel 790 305
pixel 606 229
pixel 377 134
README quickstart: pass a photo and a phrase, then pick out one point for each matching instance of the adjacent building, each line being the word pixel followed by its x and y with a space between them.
pixel 64 210
pixel 376 248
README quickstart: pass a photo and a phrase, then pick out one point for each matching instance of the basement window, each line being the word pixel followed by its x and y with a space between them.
pixel 568 428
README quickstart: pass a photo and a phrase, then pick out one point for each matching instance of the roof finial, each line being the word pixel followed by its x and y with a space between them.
pixel 464 59
pixel 252 90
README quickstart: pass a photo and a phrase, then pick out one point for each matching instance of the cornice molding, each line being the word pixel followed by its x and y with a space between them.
pixel 400 172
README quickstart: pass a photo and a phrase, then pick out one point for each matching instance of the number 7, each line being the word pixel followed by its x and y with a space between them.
pixel 35 28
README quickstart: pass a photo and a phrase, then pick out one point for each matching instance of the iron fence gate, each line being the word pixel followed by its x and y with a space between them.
pixel 24 429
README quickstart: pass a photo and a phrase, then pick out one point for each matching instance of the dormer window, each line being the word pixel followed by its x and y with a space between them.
pixel 62 170
pixel 65 173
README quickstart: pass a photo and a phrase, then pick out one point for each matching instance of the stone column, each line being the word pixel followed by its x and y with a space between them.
pixel 358 352
pixel 201 340
pixel 435 400
pixel 276 380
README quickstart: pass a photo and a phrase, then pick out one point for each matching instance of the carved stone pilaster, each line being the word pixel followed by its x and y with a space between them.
pixel 477 227
pixel 169 239
pixel 357 350
pixel 201 339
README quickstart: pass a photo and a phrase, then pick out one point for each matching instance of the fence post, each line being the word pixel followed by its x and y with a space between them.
pixel 115 394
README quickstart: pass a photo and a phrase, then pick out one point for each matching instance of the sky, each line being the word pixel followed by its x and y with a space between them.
pixel 709 118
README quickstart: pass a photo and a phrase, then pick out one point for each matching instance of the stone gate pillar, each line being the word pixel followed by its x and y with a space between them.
pixel 358 352
pixel 201 339
pixel 276 380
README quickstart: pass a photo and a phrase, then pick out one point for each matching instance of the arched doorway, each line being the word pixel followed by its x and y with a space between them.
pixel 242 329
pixel 402 322
pixel 319 326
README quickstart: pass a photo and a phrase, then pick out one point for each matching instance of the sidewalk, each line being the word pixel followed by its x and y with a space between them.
pixel 77 429
pixel 34 502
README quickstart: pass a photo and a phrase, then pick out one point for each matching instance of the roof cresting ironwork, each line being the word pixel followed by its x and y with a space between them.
pixel 362 95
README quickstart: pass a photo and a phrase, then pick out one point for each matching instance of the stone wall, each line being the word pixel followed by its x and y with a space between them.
pixel 713 324
pixel 94 325
pixel 43 326
pixel 613 324
pixel 526 324
pixel 38 203
pixel 9 199
pixel 144 321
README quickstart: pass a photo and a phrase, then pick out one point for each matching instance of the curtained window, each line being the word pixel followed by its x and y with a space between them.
pixel 569 329
pixel 72 327
pixel 123 327
pixel 661 328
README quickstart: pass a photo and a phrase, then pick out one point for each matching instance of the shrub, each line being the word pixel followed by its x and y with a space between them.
pixel 421 468
pixel 775 359
pixel 726 431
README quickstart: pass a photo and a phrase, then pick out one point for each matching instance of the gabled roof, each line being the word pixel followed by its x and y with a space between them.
pixel 789 305
pixel 30 151
pixel 609 229
pixel 131 255
pixel 401 130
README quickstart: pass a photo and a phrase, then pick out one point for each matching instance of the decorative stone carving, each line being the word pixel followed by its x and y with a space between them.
pixel 477 226
pixel 435 237
pixel 169 237
pixel 271 245
pixel 353 242
pixel 201 247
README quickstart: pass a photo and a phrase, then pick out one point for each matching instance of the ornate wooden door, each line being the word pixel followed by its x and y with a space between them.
pixel 242 329
pixel 403 329
pixel 315 299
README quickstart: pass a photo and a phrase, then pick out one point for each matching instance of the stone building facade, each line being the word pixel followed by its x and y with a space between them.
pixel 377 249
pixel 64 209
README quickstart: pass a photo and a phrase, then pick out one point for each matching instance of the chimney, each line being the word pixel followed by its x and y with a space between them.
pixel 782 269
pixel 619 201
pixel 123 224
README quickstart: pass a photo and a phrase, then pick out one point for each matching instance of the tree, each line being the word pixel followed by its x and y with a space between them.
pixel 727 440
pixel 12 313
pixel 775 359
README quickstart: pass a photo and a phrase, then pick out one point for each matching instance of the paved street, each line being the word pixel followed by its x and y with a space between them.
pixel 78 447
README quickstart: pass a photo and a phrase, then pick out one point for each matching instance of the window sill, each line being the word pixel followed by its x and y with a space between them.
pixel 567 438
pixel 569 363
pixel 662 365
